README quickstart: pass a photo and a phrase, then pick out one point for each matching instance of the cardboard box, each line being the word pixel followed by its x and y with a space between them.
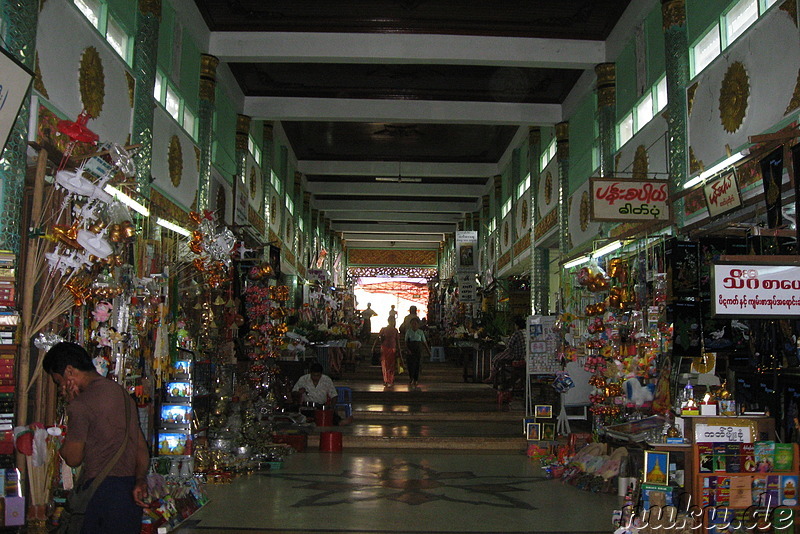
pixel 15 511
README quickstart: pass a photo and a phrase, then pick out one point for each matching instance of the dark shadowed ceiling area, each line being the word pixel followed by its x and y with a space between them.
pixel 400 112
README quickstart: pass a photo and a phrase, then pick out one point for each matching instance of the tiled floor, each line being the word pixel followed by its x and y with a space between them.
pixel 438 459
pixel 406 492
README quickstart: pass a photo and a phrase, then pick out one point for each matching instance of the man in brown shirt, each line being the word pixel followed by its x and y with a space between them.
pixel 95 431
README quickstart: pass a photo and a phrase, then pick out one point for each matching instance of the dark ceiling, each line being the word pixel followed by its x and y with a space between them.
pixel 455 85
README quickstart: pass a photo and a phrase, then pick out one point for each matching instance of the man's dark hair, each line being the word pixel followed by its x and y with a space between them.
pixel 315 368
pixel 412 309
pixel 520 322
pixel 66 353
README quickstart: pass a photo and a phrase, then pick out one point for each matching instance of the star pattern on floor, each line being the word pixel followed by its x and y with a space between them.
pixel 413 484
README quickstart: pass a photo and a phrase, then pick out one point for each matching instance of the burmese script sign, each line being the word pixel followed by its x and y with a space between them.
pixel 757 290
pixel 629 200
pixel 722 194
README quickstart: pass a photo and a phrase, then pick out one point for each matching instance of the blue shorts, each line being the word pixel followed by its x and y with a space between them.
pixel 112 510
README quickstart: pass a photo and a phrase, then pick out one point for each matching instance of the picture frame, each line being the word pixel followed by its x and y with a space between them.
pixel 534 431
pixel 656 467
pixel 543 411
pixel 525 422
pixel 549 431
pixel 17 80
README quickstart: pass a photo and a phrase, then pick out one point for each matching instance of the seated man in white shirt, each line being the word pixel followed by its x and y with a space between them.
pixel 316 390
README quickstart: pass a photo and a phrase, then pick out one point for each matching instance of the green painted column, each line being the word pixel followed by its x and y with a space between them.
pixel 267 164
pixel 562 159
pixel 606 113
pixel 498 230
pixel 205 124
pixel 540 256
pixel 145 56
pixel 21 17
pixel 676 48
pixel 483 236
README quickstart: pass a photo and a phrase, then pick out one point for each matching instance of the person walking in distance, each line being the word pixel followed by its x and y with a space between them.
pixel 390 346
pixel 415 341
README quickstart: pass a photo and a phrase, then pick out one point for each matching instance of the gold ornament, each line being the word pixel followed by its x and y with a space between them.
pixel 585 211
pixel 794 103
pixel 705 363
pixel 253 184
pixel 695 165
pixel 505 234
pixel 38 83
pixel 208 77
pixel 524 216
pixel 548 188
pixel 673 13
pixel 690 97
pixel 91 81
pixel 733 97
pixel 131 87
pixel 175 159
pixel 640 163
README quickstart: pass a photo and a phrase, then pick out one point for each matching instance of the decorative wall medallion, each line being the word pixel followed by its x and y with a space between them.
pixel 175 160
pixel 221 203
pixel 790 7
pixel 524 216
pixel 794 103
pixel 690 97
pixel 505 234
pixel 253 185
pixel 733 97
pixel 548 188
pixel 640 163
pixel 91 82
pixel 38 83
pixel 585 211
pixel 131 87
pixel 695 165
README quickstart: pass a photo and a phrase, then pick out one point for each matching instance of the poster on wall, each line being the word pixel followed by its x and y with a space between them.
pixel 466 245
pixel 629 200
pixel 15 80
pixel 722 194
pixel 747 290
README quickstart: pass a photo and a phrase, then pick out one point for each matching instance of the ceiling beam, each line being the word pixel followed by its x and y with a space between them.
pixel 403 168
pixel 296 47
pixel 427 111
pixel 398 228
pixel 357 215
pixel 398 238
pixel 395 189
pixel 329 206
pixel 391 244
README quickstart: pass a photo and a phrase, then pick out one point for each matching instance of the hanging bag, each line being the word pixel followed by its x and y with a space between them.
pixel 71 519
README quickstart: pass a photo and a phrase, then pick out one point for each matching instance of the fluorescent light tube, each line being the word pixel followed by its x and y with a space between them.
pixel 577 261
pixel 128 201
pixel 605 249
pixel 174 227
pixel 714 169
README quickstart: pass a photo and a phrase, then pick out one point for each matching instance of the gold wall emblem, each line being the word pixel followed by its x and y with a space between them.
pixel 640 163
pixel 91 82
pixel 253 185
pixel 690 92
pixel 695 165
pixel 38 83
pixel 585 211
pixel 524 215
pixel 548 188
pixel 175 160
pixel 733 97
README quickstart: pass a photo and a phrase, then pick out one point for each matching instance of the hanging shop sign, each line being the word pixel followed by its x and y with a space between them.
pixel 722 194
pixel 466 245
pixel 630 200
pixel 467 287
pixel 747 290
